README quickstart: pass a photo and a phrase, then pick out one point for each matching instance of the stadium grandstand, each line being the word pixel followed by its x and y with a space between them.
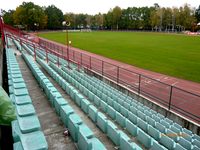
pixel 63 103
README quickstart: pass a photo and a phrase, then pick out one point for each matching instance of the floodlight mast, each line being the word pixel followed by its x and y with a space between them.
pixel 67 24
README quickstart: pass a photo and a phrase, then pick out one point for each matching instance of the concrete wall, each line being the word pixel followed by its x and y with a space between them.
pixel 194 127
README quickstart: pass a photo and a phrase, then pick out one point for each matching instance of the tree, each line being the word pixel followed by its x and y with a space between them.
pixel 55 17
pixel 81 21
pixel 71 17
pixel 186 16
pixel 197 14
pixel 98 20
pixel 8 17
pixel 117 12
pixel 30 15
pixel 88 21
pixel 108 23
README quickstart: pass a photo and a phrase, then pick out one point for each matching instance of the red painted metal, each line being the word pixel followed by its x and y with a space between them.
pixel 173 98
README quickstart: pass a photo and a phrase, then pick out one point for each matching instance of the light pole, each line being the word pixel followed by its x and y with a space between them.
pixel 67 24
pixel 36 27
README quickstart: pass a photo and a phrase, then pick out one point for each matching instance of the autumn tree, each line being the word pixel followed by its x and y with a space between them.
pixel 30 15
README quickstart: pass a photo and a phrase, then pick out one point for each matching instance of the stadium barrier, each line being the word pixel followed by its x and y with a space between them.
pixel 171 97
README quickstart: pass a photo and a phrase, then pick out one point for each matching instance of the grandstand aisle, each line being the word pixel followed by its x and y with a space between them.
pixel 97 132
pixel 51 125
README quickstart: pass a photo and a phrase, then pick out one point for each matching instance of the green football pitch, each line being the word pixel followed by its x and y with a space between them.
pixel 170 54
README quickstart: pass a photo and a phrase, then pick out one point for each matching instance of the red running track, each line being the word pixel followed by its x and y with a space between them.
pixel 185 95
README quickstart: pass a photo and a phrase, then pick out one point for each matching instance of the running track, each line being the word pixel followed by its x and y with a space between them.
pixel 184 103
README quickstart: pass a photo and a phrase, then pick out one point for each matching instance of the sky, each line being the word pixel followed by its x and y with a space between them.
pixel 95 6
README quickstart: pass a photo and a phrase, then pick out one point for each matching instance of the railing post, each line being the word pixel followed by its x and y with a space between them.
pixel 34 52
pixel 81 58
pixel 58 60
pixel 62 53
pixel 7 41
pixel 139 84
pixel 20 43
pixel 90 62
pixel 118 74
pixel 73 56
pixel 102 67
pixel 170 97
pixel 47 55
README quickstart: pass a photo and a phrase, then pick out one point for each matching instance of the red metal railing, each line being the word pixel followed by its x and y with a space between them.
pixel 172 98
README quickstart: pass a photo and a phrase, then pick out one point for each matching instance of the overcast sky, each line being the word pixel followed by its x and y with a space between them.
pixel 95 6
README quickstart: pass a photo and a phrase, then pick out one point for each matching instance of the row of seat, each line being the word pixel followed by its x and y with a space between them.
pixel 117 116
pixel 164 125
pixel 17 44
pixel 118 137
pixel 128 102
pixel 72 121
pixel 138 119
pixel 42 55
pixel 136 107
pixel 26 128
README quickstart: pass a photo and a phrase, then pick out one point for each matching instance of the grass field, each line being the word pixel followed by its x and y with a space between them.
pixel 175 55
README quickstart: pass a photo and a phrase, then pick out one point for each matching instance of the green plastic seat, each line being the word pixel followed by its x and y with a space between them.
pixel 78 98
pixel 102 122
pixel 121 120
pixel 15 131
pixel 19 75
pixel 153 132
pixel 17 146
pixel 167 142
pixel 19 85
pixel 127 144
pixel 34 141
pixel 92 112
pixel 73 125
pixel 104 106
pixel 95 144
pixel 111 112
pixel 131 128
pixel 145 139
pixel 85 105
pixel 29 124
pixel 124 111
pixel 21 100
pixel 21 92
pixel 113 133
pixel 58 102
pixel 84 136
pixel 157 146
pixel 65 112
pixel 25 110
pixel 18 80
pixel 143 125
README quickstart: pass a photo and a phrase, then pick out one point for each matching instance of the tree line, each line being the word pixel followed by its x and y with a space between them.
pixel 33 17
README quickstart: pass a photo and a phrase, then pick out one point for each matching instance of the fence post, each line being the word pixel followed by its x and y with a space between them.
pixel 170 97
pixel 7 41
pixel 90 62
pixel 34 52
pixel 47 55
pixel 58 60
pixel 73 56
pixel 62 53
pixel 139 84
pixel 117 74
pixel 81 58
pixel 102 67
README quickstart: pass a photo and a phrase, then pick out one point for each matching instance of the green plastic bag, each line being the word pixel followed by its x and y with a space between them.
pixel 7 109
